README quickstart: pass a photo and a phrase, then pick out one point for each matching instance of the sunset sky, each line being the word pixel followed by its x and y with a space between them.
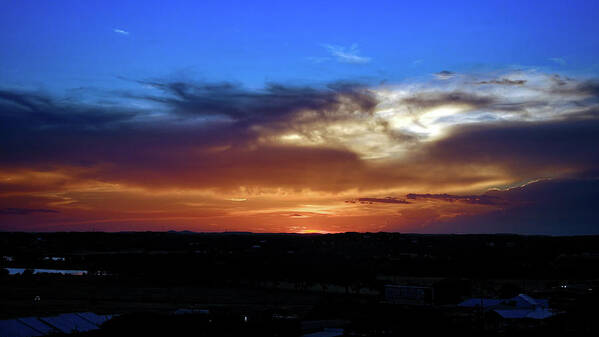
pixel 307 116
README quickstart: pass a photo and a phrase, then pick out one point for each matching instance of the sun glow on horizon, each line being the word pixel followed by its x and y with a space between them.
pixel 314 231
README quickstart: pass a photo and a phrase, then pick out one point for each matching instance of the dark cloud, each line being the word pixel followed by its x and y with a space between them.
pixel 444 75
pixel 559 81
pixel 590 88
pixel 274 103
pixel 386 200
pixel 470 199
pixel 129 146
pixel 35 110
pixel 526 149
pixel 27 111
pixel 559 207
pixel 504 81
pixel 24 211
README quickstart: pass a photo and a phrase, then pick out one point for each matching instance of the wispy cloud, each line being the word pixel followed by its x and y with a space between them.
pixel 347 55
pixel 120 31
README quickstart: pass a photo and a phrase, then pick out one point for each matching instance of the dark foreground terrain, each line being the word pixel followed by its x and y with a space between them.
pixel 234 284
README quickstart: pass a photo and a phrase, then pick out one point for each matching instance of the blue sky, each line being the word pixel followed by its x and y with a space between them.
pixel 57 45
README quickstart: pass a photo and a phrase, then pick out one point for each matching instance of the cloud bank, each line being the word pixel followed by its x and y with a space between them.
pixel 182 152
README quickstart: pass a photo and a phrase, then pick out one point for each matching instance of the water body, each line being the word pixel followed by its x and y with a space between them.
pixel 13 271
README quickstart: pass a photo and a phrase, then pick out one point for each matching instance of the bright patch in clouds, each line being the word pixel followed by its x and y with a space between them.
pixel 409 114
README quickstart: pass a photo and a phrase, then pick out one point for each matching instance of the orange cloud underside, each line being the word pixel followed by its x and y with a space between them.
pixel 78 202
